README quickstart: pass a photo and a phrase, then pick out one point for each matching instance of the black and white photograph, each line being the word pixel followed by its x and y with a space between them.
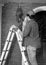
pixel 22 32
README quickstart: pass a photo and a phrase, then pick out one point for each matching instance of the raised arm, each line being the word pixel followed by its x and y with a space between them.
pixel 26 27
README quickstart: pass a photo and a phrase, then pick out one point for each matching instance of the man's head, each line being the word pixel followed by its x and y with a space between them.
pixel 30 14
pixel 28 17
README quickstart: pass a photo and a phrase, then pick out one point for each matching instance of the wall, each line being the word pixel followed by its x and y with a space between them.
pixel 30 1
pixel 8 19
pixel 0 25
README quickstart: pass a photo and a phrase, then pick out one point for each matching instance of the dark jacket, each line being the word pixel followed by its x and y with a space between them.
pixel 31 34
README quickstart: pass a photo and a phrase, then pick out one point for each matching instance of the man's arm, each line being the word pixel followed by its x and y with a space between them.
pixel 27 29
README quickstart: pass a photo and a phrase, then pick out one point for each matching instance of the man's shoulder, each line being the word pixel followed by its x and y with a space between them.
pixel 33 22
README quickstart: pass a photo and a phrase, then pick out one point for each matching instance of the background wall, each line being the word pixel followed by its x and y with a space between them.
pixel 0 25
pixel 30 1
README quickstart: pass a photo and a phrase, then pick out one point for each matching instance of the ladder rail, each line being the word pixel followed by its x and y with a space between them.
pixel 13 30
pixel 22 48
pixel 7 44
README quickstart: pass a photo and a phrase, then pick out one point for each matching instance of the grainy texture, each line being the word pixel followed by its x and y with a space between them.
pixel 29 1
pixel 0 25
pixel 8 19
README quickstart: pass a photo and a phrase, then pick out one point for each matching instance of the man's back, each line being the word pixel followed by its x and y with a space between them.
pixel 31 34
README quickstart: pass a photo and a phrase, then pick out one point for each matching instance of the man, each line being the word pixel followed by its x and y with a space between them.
pixel 31 37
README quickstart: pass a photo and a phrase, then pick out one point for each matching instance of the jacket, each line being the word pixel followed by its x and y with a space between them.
pixel 31 34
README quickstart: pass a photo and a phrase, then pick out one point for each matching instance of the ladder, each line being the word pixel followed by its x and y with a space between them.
pixel 12 31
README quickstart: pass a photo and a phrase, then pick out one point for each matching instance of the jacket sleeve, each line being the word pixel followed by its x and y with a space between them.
pixel 35 30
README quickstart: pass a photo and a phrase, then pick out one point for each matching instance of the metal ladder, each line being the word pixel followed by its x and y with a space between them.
pixel 13 30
